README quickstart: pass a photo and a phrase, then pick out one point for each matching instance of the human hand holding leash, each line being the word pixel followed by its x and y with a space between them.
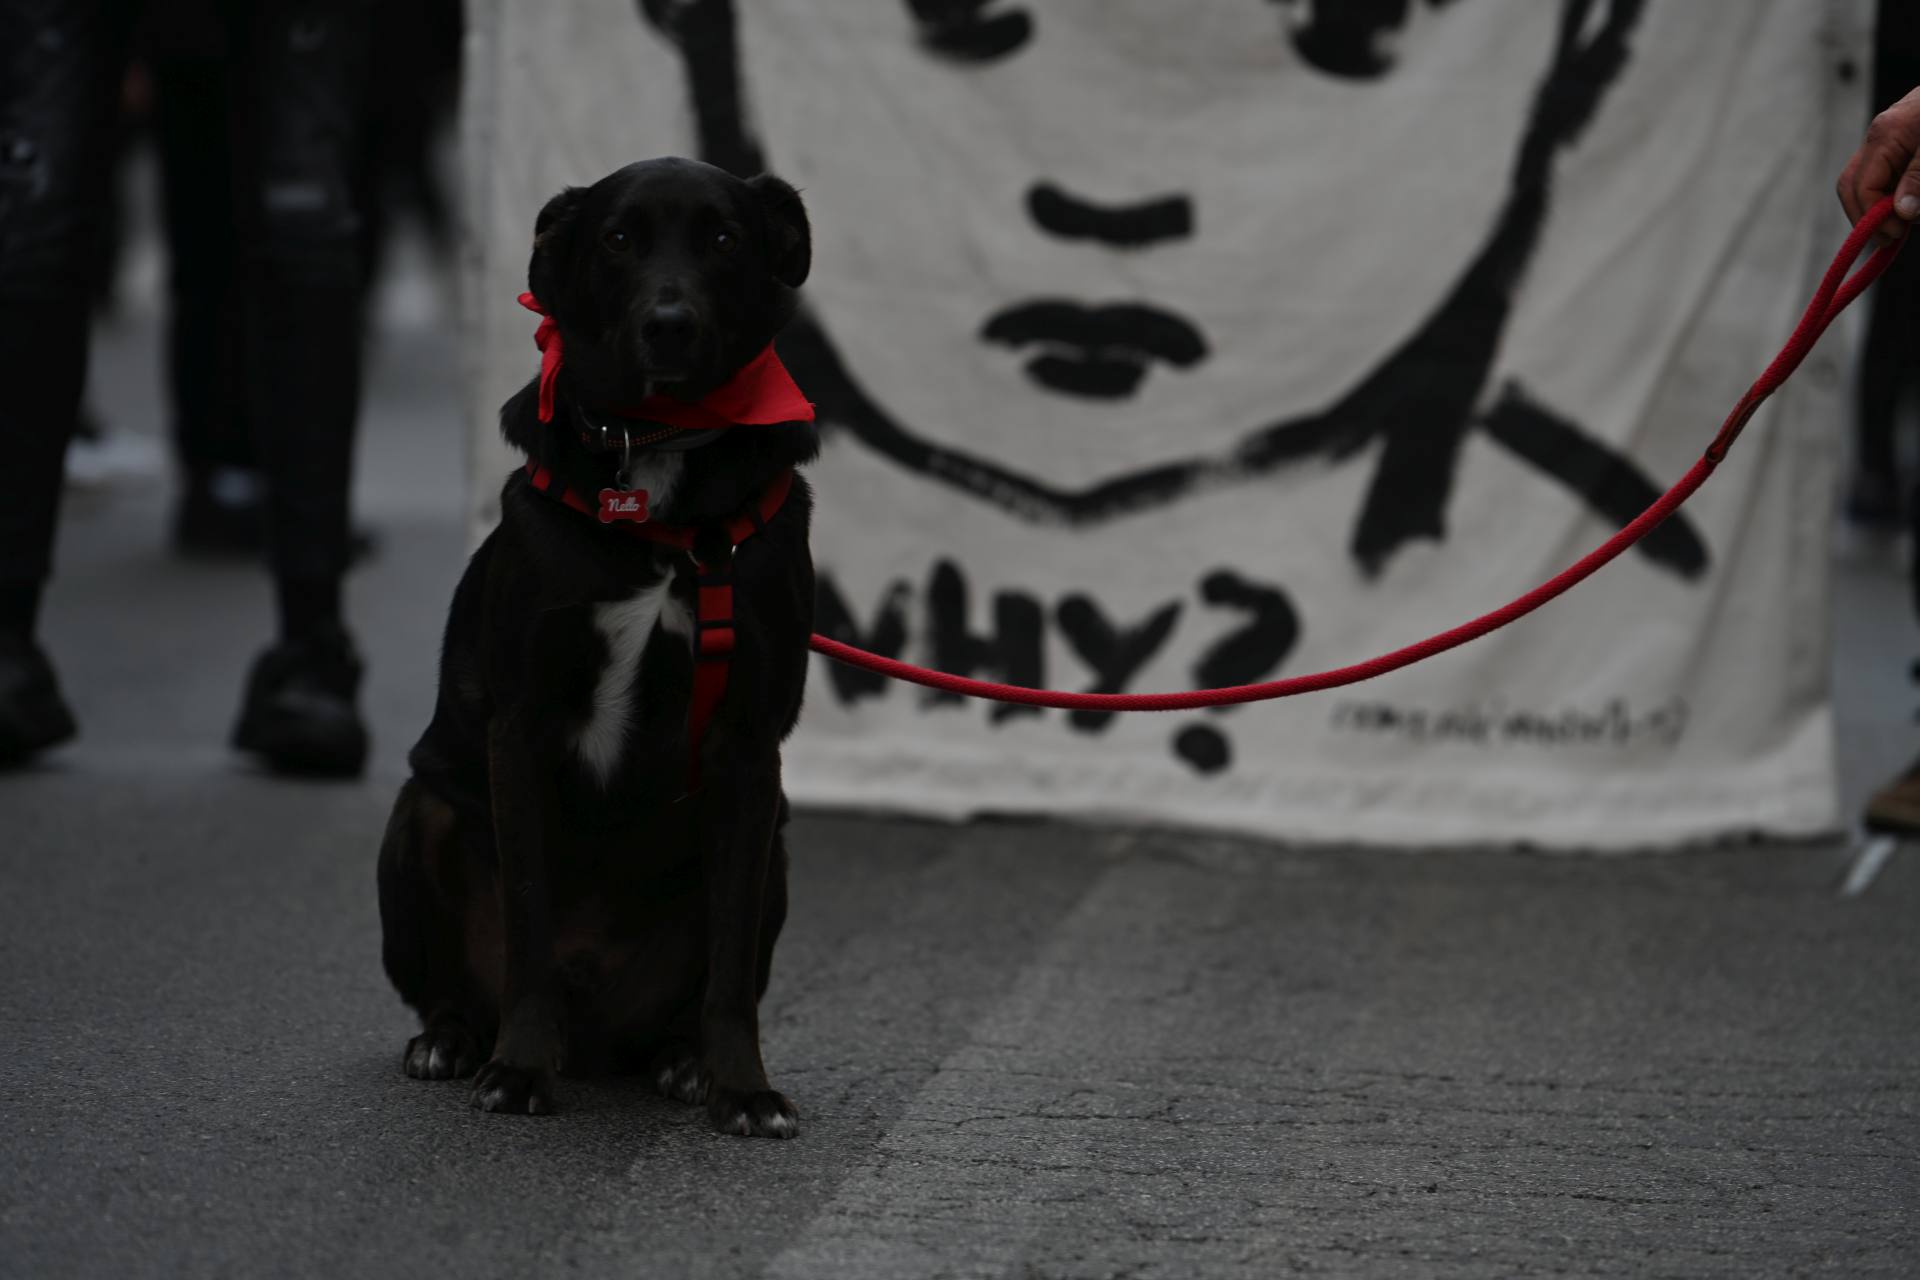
pixel 1887 164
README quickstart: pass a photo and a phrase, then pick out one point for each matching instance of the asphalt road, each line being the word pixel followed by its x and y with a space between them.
pixel 1019 1050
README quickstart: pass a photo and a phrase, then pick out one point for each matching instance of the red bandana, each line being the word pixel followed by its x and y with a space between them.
pixel 760 394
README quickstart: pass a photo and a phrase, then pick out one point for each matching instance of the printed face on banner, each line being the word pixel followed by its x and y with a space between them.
pixel 999 167
pixel 1047 277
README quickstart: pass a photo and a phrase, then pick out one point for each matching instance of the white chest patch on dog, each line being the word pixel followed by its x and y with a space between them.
pixel 626 626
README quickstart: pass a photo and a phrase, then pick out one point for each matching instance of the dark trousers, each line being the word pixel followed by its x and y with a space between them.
pixel 192 74
pixel 296 86
pixel 1889 371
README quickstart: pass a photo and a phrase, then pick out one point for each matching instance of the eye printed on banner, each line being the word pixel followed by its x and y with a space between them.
pixel 971 30
pixel 1350 38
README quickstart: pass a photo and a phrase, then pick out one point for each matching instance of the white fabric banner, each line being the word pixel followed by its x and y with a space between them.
pixel 1168 345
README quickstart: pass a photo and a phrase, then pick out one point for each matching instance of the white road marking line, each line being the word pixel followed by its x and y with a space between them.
pixel 1873 855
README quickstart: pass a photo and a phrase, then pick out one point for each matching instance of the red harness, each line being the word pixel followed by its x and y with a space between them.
pixel 762 393
pixel 713 608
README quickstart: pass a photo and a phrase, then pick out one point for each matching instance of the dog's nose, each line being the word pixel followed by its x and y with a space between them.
pixel 668 328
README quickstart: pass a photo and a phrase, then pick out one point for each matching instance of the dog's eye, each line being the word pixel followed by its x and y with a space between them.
pixel 725 241
pixel 616 241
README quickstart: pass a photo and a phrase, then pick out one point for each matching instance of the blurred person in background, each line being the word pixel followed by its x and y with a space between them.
pixel 295 83
pixel 1876 497
pixel 1888 163
pixel 221 506
pixel 188 67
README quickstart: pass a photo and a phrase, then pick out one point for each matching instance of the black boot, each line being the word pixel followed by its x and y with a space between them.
pixel 33 715
pixel 301 714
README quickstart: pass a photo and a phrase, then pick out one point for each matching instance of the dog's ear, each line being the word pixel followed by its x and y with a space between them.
pixel 790 239
pixel 553 243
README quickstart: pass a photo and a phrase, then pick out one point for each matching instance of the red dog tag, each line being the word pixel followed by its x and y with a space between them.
pixel 623 504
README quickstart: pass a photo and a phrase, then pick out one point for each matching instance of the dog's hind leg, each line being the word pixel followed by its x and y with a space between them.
pixel 422 887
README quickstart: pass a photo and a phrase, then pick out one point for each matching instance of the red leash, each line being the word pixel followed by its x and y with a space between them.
pixel 1837 292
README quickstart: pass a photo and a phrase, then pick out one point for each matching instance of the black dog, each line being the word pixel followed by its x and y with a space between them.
pixel 553 887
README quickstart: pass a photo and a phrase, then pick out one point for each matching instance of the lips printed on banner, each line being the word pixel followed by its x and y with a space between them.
pixel 1100 352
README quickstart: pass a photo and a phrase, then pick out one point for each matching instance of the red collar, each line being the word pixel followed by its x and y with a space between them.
pixel 762 393
pixel 636 523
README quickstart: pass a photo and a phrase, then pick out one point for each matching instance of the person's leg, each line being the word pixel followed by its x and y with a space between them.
pixel 1888 371
pixel 299 149
pixel 221 507
pixel 1888 361
pixel 416 74
pixel 1873 494
pixel 1889 358
pixel 60 68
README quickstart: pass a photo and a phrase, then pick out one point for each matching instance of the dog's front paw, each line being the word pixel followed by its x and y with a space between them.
pixel 445 1051
pixel 763 1113
pixel 501 1086
pixel 679 1074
